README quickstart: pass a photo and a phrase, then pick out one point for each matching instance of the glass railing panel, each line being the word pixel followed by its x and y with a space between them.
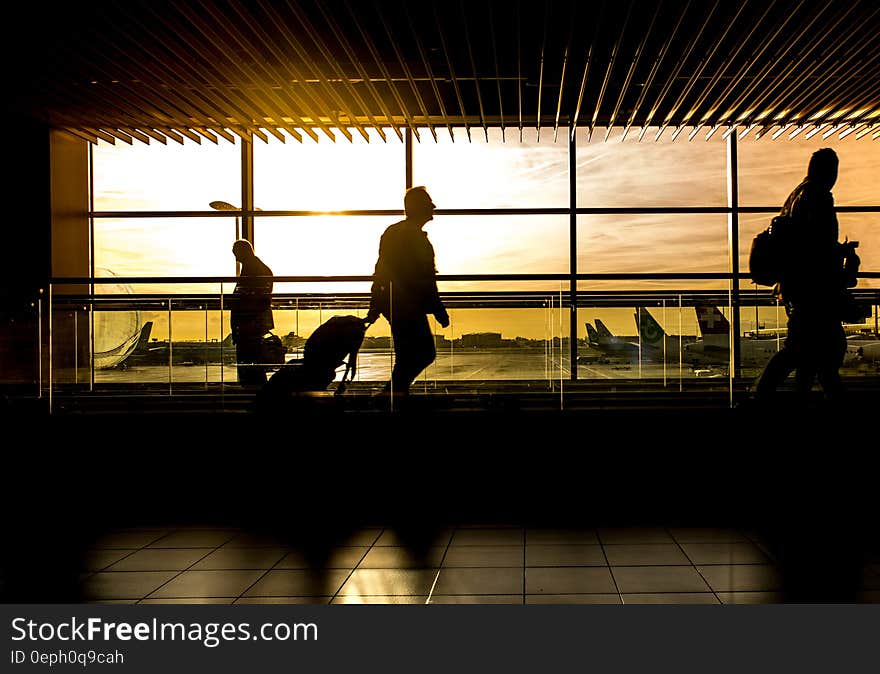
pixel 633 335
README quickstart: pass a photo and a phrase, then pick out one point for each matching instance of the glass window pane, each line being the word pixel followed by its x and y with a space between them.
pixel 494 174
pixel 629 173
pixel 348 245
pixel 165 246
pixel 331 245
pixel 769 170
pixel 168 177
pixel 663 243
pixel 328 176
pixel 500 244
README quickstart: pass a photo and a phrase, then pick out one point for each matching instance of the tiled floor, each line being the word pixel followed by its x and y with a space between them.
pixel 464 565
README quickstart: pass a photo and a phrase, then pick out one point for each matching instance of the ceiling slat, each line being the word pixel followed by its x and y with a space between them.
pixel 257 69
pixel 235 87
pixel 785 100
pixel 624 89
pixel 614 52
pixel 451 71
pixel 406 71
pixel 362 72
pixel 691 43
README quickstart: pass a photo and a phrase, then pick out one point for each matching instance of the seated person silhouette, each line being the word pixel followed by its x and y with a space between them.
pixel 250 313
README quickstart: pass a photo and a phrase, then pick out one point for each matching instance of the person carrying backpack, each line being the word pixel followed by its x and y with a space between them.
pixel 816 271
pixel 405 290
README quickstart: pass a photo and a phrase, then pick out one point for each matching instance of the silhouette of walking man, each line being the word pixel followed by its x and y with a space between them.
pixel 817 271
pixel 250 313
pixel 405 290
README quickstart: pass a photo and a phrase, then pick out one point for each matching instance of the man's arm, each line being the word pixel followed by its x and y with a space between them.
pixel 379 290
pixel 439 311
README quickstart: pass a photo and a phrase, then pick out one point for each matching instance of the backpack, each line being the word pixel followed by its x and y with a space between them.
pixel 767 256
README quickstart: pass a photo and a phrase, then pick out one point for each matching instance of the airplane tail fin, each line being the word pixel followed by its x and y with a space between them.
pixel 592 335
pixel 144 337
pixel 650 331
pixel 712 321
pixel 604 333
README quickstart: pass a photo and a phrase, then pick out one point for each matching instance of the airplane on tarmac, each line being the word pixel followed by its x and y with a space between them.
pixel 654 340
pixel 183 352
pixel 605 347
pixel 713 348
pixel 647 347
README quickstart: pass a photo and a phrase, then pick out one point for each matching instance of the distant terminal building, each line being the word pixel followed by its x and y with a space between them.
pixel 481 340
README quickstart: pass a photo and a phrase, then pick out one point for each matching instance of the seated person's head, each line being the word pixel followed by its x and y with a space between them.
pixel 243 250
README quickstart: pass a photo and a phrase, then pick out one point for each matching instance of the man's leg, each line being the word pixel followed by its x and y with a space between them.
pixel 775 372
pixel 247 352
pixel 413 350
pixel 830 360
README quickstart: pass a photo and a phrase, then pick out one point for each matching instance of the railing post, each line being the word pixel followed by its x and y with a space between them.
pixel 733 256
pixel 247 190
pixel 572 252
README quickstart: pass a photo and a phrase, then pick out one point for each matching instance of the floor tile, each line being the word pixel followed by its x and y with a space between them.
pixel 250 540
pixel 206 538
pixel 240 558
pixel 378 582
pixel 572 599
pixel 338 558
pixel 387 599
pixel 189 600
pixel 392 538
pixel 561 537
pixel 634 536
pixel 480 581
pixel 283 600
pixel 707 535
pixel 298 583
pixel 573 580
pixel 124 585
pixel 153 559
pixel 129 539
pixel 388 557
pixel 484 555
pixel 565 555
pixel 476 599
pixel 741 577
pixel 97 560
pixel 750 597
pixel 657 554
pixel 724 553
pixel 363 537
pixel 633 579
pixel 488 537
pixel 671 598
pixel 208 584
